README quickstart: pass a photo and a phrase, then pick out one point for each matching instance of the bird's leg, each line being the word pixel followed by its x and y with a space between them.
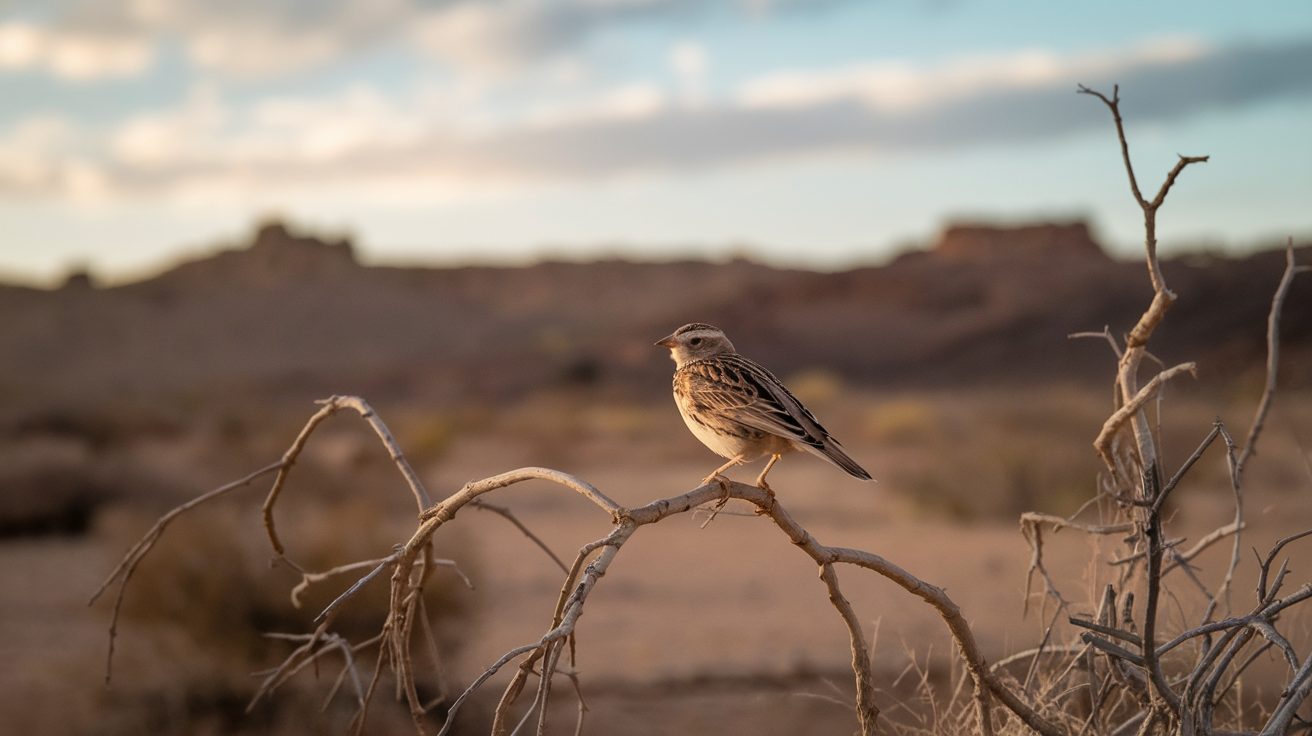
pixel 715 474
pixel 760 481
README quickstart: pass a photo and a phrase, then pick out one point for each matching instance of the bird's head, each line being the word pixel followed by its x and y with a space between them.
pixel 694 342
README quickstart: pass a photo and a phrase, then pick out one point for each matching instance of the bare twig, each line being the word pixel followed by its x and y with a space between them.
pixel 135 554
pixel 1272 356
pixel 509 515
pixel 1106 334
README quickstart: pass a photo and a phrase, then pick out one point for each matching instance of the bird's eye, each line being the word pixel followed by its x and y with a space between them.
pixel 695 341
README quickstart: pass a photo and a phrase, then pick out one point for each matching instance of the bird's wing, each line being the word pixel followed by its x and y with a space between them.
pixel 740 390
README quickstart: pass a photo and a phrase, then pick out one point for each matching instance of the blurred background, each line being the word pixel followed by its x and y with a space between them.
pixel 480 215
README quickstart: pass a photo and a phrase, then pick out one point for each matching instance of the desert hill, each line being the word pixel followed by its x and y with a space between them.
pixel 291 318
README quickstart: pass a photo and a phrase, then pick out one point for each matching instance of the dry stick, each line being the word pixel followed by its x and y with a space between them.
pixel 1232 465
pixel 1106 334
pixel 867 713
pixel 516 684
pixel 363 713
pixel 1295 693
pixel 378 567
pixel 1239 671
pixel 1272 356
pixel 1208 628
pixel 310 578
pixel 509 515
pixel 583 705
pixel 1111 631
pixel 331 642
pixel 591 575
pixel 544 690
pixel 1152 530
pixel 293 663
pixel 128 565
pixel 1211 538
pixel 1031 528
pixel 551 653
pixel 1035 652
pixel 1135 347
pixel 1106 615
pixel 1200 716
pixel 1188 464
pixel 430 642
pixel 1265 566
pixel 1027 684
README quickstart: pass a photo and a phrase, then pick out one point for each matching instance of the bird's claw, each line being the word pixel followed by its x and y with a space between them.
pixel 724 499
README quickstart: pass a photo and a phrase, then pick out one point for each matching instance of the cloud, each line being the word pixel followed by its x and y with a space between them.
pixel 1005 99
pixel 44 155
pixel 72 55
pixel 245 38
pixel 501 35
pixel 361 138
pixel 899 86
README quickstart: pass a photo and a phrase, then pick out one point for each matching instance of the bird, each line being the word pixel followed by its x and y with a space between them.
pixel 739 409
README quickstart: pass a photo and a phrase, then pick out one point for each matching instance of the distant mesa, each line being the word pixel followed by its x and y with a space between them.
pixel 275 254
pixel 990 242
pixel 277 249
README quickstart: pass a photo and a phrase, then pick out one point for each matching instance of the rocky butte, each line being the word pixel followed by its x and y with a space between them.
pixel 987 242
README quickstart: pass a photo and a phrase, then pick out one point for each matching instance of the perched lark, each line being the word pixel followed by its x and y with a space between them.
pixel 739 409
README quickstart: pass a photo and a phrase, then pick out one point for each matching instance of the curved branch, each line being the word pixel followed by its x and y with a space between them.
pixel 1272 357
pixel 331 406
pixel 1131 408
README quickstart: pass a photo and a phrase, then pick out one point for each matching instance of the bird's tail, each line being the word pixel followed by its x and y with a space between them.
pixel 834 453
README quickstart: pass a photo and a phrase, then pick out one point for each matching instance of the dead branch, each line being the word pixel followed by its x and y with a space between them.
pixel 1135 480
pixel 1133 405
pixel 122 573
pixel 331 406
pixel 1031 528
pixel 1272 356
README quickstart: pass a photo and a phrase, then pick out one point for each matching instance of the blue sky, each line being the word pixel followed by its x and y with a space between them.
pixel 819 133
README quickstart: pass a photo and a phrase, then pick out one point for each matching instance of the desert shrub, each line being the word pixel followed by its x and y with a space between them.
pixel 200 609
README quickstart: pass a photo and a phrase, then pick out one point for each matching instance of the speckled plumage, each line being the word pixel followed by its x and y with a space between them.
pixel 739 409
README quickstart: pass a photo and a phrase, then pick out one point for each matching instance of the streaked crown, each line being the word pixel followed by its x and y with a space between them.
pixel 696 341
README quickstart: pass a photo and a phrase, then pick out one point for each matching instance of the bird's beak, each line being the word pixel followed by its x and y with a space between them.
pixel 666 342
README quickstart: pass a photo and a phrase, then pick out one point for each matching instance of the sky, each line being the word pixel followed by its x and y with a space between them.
pixel 816 133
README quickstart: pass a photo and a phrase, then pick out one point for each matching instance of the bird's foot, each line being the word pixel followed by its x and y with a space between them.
pixel 762 510
pixel 715 478
pixel 724 499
